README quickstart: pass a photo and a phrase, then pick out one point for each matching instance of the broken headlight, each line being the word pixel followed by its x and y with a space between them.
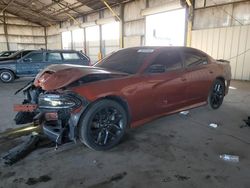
pixel 58 101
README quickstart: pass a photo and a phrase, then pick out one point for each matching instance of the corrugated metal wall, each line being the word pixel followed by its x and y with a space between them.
pixel 54 39
pixel 223 31
pixel 21 34
pixel 230 43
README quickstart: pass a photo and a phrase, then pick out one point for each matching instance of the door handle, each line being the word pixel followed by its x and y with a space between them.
pixel 211 72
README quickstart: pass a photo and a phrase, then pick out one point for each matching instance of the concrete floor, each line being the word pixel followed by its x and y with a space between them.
pixel 174 151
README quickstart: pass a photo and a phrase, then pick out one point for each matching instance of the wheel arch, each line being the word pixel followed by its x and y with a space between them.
pixel 221 78
pixel 115 98
pixel 1 69
pixel 121 101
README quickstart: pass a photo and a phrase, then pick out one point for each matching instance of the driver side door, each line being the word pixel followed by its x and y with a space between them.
pixel 168 87
pixel 30 64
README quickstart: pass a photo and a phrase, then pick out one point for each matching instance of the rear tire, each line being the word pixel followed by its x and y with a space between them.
pixel 103 125
pixel 7 76
pixel 216 95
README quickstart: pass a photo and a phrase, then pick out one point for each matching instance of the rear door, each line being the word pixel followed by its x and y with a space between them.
pixel 197 74
pixel 30 64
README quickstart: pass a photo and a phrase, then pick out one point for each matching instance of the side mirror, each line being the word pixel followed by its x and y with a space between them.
pixel 156 68
pixel 27 60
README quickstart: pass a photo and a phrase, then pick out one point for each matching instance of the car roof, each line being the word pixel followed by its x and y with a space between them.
pixel 56 51
pixel 161 47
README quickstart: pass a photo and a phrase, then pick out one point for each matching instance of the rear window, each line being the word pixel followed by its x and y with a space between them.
pixel 70 56
pixel 192 59
pixel 53 57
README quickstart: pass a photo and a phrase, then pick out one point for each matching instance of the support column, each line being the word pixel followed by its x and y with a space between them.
pixel 6 31
pixel 45 37
pixel 189 24
pixel 100 54
pixel 122 26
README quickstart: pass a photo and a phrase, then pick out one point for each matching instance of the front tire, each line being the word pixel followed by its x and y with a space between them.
pixel 6 76
pixel 103 125
pixel 216 94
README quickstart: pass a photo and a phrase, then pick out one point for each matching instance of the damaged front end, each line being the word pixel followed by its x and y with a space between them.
pixel 57 112
pixel 60 115
pixel 26 112
pixel 51 103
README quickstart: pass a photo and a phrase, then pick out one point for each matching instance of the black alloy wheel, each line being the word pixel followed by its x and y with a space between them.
pixel 103 125
pixel 217 94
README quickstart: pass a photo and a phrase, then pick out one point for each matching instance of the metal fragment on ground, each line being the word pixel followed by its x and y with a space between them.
pixel 185 113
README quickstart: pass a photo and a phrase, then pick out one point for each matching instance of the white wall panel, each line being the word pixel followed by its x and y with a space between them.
pixel 216 37
pixel 246 62
pixel 222 41
pixel 54 42
pixel 234 49
pixel 134 28
pixel 231 43
pixel 241 49
pixel 132 41
pixel 132 10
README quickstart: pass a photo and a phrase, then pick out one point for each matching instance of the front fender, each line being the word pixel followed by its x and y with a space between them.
pixel 8 67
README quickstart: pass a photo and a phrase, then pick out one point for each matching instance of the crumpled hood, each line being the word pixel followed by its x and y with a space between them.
pixel 58 76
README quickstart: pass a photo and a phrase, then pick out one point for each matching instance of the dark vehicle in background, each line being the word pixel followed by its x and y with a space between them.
pixel 16 55
pixel 6 53
pixel 35 61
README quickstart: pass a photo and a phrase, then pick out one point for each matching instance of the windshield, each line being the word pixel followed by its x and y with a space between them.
pixel 126 60
pixel 19 54
pixel 16 55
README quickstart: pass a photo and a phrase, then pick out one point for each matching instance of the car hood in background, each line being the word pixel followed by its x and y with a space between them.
pixel 59 76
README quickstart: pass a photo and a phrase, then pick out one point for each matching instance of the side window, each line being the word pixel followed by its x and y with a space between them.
pixel 53 56
pixel 70 56
pixel 25 53
pixel 34 57
pixel 6 54
pixel 170 60
pixel 193 59
pixel 83 57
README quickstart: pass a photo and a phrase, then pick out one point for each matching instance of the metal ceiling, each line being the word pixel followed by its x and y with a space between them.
pixel 49 12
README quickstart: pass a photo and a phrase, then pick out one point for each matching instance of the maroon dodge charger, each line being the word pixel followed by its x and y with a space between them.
pixel 126 89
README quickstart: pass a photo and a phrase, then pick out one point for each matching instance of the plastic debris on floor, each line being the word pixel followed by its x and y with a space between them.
pixel 33 142
pixel 185 113
pixel 230 158
pixel 213 125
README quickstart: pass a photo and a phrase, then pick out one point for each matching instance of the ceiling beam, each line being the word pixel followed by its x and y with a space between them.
pixel 8 4
pixel 66 6
pixel 34 13
pixel 22 17
pixel 78 6
pixel 46 7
